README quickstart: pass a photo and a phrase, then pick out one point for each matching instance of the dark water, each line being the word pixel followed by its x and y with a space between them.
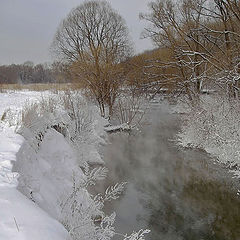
pixel 177 193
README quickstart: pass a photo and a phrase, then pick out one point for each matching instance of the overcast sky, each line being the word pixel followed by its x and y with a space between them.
pixel 27 27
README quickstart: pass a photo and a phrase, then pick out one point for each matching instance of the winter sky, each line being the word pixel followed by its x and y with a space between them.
pixel 27 27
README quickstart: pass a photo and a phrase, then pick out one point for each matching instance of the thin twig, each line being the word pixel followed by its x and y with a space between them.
pixel 16 224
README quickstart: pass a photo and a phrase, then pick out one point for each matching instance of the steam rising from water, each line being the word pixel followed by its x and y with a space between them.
pixel 177 193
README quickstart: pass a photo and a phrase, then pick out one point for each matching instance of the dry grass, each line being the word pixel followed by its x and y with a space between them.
pixel 40 87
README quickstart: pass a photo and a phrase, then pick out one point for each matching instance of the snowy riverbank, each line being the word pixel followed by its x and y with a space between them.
pixel 43 168
pixel 213 125
pixel 50 152
pixel 21 219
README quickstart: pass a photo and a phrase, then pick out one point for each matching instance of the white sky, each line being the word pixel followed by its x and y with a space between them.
pixel 27 27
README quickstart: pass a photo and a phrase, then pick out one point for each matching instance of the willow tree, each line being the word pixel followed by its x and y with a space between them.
pixel 94 40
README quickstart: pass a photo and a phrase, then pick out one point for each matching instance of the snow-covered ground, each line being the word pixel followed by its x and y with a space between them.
pixel 16 100
pixel 20 218
pixel 213 125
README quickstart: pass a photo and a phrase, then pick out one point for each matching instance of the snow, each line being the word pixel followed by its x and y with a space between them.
pixel 10 143
pixel 46 175
pixel 117 128
pixel 15 100
pixel 31 221
pixel 20 218
pixel 213 126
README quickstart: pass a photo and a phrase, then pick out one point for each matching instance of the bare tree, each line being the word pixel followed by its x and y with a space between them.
pixel 94 40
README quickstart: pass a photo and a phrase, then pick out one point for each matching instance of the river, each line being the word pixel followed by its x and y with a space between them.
pixel 176 193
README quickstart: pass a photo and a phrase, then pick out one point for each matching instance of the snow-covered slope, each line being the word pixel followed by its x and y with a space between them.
pixel 20 218
pixel 46 176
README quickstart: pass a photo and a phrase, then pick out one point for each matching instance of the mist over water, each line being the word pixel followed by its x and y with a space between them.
pixel 176 193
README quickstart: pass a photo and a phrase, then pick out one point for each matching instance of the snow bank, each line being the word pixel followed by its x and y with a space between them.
pixel 118 128
pixel 46 174
pixel 20 218
pixel 214 127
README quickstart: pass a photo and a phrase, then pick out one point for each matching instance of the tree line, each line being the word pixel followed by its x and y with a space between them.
pixel 28 73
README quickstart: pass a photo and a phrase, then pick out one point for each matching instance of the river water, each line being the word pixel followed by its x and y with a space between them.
pixel 176 193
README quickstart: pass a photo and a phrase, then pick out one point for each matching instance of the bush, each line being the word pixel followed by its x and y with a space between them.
pixel 129 109
pixel 214 125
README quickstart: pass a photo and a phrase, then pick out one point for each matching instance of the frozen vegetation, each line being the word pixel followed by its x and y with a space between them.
pixel 49 156
pixel 214 125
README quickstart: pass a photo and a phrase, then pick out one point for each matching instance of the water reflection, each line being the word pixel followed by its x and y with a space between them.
pixel 178 194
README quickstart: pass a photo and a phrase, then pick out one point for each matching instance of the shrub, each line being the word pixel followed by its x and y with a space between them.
pixel 214 125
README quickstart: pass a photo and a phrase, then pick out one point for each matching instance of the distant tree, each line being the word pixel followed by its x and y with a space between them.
pixel 94 40
pixel 28 73
pixel 9 74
